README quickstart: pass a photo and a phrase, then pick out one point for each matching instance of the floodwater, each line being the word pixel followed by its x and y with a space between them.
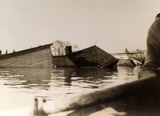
pixel 19 86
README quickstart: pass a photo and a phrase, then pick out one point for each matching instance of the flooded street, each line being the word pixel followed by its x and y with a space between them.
pixel 19 86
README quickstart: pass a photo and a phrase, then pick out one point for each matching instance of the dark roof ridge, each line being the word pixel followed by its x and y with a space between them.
pixel 87 48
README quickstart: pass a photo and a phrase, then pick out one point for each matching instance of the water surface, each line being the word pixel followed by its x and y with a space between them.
pixel 19 86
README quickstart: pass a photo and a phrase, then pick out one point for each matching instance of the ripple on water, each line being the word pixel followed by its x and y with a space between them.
pixel 59 82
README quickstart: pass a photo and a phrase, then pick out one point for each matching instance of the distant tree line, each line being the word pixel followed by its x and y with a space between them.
pixel 58 47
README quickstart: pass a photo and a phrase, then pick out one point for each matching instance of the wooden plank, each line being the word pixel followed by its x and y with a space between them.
pixel 146 91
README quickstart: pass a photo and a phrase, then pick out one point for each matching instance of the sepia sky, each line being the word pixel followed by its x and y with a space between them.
pixel 113 25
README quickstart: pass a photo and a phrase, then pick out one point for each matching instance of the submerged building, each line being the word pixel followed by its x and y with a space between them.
pixel 130 58
pixel 34 57
pixel 89 57
pixel 42 57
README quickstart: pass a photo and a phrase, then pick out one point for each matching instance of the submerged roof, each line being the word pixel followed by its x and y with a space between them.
pixel 26 51
pixel 92 56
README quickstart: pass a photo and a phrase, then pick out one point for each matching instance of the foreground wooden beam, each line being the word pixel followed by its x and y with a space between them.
pixel 143 92
pixel 141 97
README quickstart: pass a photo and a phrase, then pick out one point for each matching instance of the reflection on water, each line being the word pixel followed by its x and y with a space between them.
pixel 26 78
pixel 19 86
